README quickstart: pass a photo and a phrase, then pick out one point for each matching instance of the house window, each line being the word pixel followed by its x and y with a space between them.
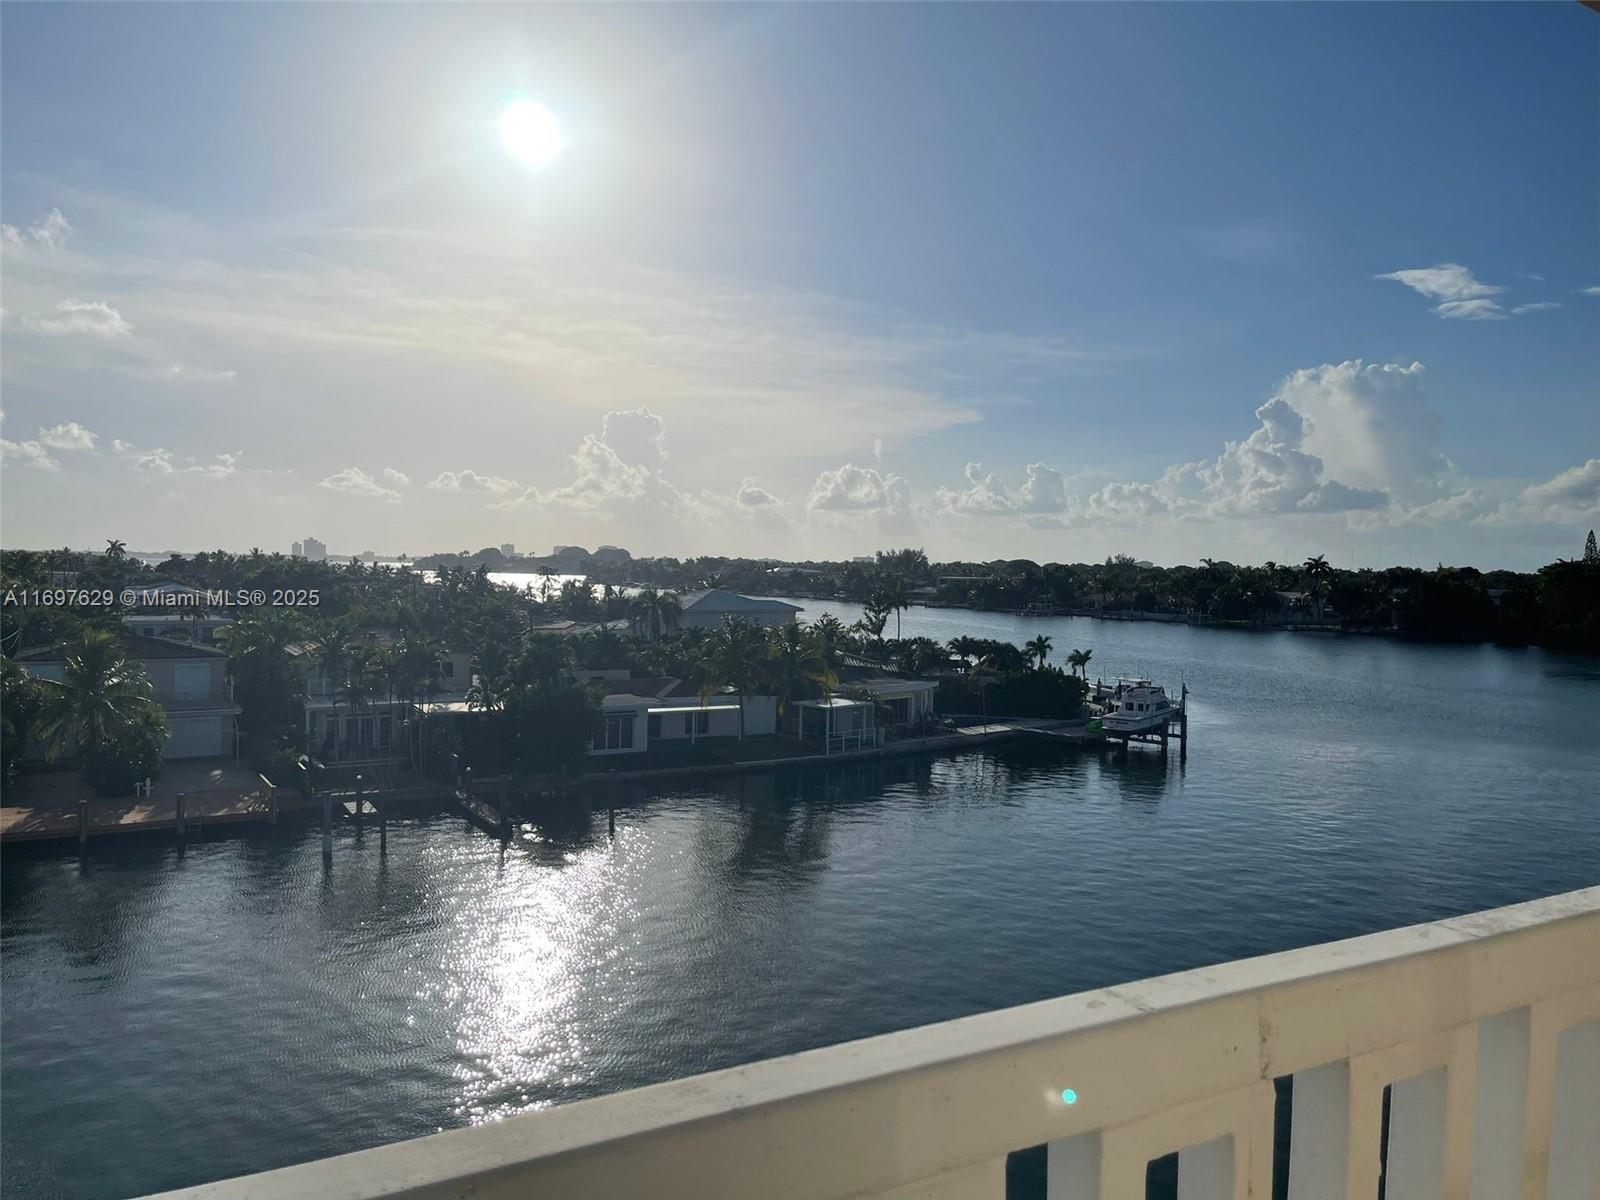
pixel 448 668
pixel 619 732
pixel 191 681
pixel 702 722
pixel 655 727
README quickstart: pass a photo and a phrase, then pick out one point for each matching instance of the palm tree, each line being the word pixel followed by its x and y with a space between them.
pixel 1317 566
pixel 652 613
pixel 330 650
pixel 102 691
pixel 1078 661
pixel 1040 648
pixel 896 597
pixel 830 638
pixel 116 550
pixel 801 666
pixel 738 653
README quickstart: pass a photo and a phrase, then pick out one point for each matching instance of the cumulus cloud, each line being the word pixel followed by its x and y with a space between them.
pixel 1571 495
pixel 90 318
pixel 29 453
pixel 357 482
pixel 49 231
pixel 859 489
pixel 159 462
pixel 986 495
pixel 751 495
pixel 472 482
pixel 68 436
pixel 398 478
pixel 1589 291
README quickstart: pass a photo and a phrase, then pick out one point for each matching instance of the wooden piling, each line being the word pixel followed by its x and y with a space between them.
pixel 83 824
pixel 327 827
pixel 358 803
pixel 181 824
pixel 383 824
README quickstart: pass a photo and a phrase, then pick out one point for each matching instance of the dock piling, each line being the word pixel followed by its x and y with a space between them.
pixel 358 804
pixel 383 824
pixel 327 827
pixel 83 824
pixel 181 824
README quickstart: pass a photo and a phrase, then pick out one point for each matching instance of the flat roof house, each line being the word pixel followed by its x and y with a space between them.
pixel 190 681
pixel 708 609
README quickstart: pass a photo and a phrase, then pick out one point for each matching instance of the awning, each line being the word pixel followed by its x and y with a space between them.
pixel 685 708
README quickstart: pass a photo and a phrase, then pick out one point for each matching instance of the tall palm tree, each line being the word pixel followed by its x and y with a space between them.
pixel 896 597
pixel 330 650
pixel 1078 661
pixel 652 613
pixel 738 654
pixel 1317 566
pixel 116 550
pixel 1039 648
pixel 101 692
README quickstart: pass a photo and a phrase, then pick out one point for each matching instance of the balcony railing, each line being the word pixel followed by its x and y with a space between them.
pixel 1484 1030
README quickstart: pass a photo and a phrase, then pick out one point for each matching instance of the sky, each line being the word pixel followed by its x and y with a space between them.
pixel 1050 281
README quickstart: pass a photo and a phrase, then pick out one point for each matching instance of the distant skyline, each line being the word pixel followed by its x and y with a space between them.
pixel 1049 282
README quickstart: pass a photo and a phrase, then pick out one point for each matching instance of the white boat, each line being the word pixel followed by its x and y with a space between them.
pixel 1136 706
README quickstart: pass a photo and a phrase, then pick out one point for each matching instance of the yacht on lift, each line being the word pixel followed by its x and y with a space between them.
pixel 1136 706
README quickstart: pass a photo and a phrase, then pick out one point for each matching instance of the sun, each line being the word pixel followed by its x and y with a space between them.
pixel 531 132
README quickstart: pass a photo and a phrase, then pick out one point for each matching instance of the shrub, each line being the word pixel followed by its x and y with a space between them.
pixel 129 754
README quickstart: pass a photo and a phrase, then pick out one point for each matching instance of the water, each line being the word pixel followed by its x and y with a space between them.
pixel 170 1020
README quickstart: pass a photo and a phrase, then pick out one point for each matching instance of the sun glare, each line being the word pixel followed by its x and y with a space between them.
pixel 531 132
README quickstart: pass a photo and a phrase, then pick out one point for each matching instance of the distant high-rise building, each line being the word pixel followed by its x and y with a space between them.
pixel 368 556
pixel 315 551
pixel 297 550
pixel 509 549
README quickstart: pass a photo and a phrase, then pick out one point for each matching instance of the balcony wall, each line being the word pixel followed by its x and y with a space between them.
pixel 1485 1028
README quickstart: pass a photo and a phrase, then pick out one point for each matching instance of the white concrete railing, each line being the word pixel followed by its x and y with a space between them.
pixel 1487 1027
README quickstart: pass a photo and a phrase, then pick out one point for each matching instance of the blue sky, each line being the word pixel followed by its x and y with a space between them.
pixel 806 280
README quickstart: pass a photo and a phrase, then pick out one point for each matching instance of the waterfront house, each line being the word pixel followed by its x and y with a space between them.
pixel 189 681
pixel 711 608
pixel 658 713
pixel 338 729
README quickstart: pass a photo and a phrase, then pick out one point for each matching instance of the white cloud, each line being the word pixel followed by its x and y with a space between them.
pixel 1471 310
pixel 68 436
pixel 357 482
pixel 50 231
pixel 29 453
pixel 1447 281
pixel 472 482
pixel 859 489
pixel 159 462
pixel 1463 296
pixel 751 495
pixel 398 478
pixel 1589 291
pixel 1572 495
pixel 91 318
pixel 986 495
pixel 1536 306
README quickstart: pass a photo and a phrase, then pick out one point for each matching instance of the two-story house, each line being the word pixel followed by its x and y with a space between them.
pixel 190 681
pixel 368 725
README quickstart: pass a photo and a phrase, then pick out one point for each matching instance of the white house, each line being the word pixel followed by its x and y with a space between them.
pixel 189 681
pixel 640 718
pixel 710 608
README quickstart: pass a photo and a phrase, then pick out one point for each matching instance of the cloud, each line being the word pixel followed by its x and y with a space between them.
pixel 1471 310
pixel 1570 496
pixel 1589 291
pixel 357 482
pixel 398 478
pixel 160 462
pixel 472 482
pixel 1044 492
pixel 29 453
pixel 1536 306
pixel 1447 281
pixel 49 231
pixel 179 372
pixel 859 489
pixel 69 436
pixel 92 318
pixel 751 495
pixel 1463 296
